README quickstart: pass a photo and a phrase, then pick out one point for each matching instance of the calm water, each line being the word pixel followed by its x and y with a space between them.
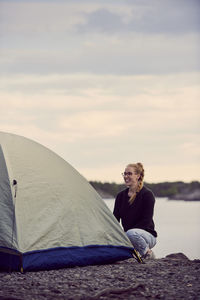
pixel 178 227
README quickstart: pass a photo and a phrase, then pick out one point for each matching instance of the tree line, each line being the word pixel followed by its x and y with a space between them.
pixel 163 189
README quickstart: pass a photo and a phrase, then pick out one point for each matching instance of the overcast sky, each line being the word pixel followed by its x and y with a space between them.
pixel 105 83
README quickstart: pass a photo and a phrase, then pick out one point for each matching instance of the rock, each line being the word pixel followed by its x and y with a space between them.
pixel 173 277
pixel 187 196
pixel 177 256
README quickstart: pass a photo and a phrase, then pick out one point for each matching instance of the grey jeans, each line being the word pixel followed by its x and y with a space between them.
pixel 141 240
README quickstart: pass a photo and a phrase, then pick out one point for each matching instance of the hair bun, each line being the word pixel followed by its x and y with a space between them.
pixel 140 164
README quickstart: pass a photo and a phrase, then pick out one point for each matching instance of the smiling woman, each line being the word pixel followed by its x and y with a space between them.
pixel 134 206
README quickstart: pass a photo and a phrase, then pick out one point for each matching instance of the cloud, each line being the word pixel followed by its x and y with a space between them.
pixel 149 17
pixel 109 107
pixel 137 37
pixel 103 20
pixel 93 125
pixel 38 17
pixel 104 83
pixel 102 55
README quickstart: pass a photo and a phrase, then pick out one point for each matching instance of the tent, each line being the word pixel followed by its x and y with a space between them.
pixel 50 216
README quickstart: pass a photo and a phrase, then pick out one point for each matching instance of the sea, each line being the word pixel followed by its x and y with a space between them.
pixel 178 226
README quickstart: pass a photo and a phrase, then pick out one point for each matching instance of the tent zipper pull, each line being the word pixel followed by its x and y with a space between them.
pixel 15 187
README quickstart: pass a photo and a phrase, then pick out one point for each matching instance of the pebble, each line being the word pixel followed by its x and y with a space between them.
pixel 152 278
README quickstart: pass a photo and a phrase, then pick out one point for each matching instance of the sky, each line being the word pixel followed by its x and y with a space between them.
pixel 105 83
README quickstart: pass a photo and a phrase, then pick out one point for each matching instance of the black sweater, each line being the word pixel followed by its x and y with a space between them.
pixel 137 215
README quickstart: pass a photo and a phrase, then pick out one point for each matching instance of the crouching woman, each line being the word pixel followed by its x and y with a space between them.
pixel 134 206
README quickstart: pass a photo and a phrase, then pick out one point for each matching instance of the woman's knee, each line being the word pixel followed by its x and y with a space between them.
pixel 132 233
pixel 133 236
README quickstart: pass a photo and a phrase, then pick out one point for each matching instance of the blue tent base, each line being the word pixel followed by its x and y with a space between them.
pixel 61 257
pixel 10 259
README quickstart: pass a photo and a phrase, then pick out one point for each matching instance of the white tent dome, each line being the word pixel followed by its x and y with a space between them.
pixel 50 216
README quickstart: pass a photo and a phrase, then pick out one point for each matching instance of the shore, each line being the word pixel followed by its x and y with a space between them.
pixel 172 277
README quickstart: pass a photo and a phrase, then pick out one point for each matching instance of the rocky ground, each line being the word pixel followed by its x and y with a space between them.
pixel 172 277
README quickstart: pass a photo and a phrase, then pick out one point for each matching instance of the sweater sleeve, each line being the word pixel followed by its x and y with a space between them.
pixel 116 211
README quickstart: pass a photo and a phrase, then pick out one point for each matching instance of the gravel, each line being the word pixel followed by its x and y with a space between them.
pixel 172 277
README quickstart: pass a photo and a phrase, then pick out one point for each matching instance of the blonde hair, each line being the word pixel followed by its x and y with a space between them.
pixel 139 170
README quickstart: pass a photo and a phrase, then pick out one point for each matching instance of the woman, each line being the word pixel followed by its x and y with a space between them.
pixel 134 206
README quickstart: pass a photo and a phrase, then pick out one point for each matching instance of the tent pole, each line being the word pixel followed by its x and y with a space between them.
pixel 21 263
pixel 137 256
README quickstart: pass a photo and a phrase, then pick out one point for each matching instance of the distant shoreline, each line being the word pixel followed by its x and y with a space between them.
pixel 179 190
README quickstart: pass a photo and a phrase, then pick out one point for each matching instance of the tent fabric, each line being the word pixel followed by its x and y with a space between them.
pixel 62 257
pixel 47 209
pixel 7 215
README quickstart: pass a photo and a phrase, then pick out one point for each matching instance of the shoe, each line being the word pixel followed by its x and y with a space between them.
pixel 149 255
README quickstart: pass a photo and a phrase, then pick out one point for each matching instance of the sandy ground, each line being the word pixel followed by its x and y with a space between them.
pixel 174 277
